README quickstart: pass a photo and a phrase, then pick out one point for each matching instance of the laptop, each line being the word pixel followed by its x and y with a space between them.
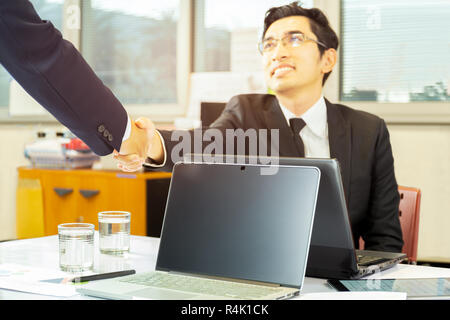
pixel 332 254
pixel 229 232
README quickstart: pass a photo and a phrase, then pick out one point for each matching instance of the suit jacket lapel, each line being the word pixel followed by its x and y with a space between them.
pixel 339 136
pixel 275 119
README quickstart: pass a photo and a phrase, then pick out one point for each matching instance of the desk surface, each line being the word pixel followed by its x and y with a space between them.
pixel 43 253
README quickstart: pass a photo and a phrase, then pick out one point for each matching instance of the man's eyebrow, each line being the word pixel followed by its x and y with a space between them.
pixel 268 38
pixel 294 32
pixel 285 34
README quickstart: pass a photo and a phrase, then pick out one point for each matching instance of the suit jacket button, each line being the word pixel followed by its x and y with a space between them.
pixel 110 138
pixel 106 133
pixel 101 128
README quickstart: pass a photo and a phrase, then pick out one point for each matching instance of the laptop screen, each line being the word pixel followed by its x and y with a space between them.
pixel 232 221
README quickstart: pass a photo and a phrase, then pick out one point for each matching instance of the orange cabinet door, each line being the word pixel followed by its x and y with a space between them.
pixel 78 195
pixel 61 203
pixel 112 193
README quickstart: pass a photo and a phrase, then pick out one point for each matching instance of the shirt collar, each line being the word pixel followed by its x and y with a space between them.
pixel 315 117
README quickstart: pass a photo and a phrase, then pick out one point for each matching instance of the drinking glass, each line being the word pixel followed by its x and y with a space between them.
pixel 114 232
pixel 76 247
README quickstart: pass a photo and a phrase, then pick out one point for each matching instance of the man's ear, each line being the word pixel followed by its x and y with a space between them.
pixel 329 60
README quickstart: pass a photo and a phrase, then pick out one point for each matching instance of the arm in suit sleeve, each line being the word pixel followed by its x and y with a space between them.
pixel 383 225
pixel 231 118
pixel 54 73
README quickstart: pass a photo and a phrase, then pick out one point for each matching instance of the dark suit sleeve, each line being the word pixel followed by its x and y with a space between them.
pixel 192 141
pixel 54 73
pixel 383 225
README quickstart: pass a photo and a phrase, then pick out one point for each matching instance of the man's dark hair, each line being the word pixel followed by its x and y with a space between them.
pixel 317 20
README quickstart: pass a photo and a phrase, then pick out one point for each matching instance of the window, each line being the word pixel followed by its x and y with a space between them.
pixel 48 10
pixel 139 48
pixel 395 50
pixel 227 33
pixel 132 47
pixel 5 80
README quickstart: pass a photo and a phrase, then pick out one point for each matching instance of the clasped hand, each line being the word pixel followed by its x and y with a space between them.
pixel 135 150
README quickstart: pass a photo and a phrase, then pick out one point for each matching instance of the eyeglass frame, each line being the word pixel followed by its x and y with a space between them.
pixel 283 42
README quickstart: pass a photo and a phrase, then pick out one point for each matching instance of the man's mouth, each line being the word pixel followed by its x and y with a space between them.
pixel 281 70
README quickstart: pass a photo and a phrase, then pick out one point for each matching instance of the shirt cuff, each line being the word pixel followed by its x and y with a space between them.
pixel 127 133
pixel 149 163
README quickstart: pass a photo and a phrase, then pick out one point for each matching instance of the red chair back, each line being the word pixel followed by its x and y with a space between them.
pixel 409 212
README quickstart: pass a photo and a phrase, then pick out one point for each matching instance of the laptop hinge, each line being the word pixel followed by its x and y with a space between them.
pixel 267 284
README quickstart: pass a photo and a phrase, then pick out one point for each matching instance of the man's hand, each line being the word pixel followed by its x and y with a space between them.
pixel 143 143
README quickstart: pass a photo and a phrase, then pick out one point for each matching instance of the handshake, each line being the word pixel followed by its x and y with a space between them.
pixel 143 143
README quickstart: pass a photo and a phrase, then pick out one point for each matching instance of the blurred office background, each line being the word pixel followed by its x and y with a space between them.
pixel 162 58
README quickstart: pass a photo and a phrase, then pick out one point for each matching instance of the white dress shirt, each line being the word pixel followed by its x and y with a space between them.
pixel 315 133
pixel 127 133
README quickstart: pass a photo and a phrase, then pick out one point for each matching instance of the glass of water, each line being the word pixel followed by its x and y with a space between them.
pixel 76 247
pixel 114 232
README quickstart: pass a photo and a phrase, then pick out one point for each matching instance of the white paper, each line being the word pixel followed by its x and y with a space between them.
pixel 403 271
pixel 27 279
pixel 36 287
pixel 354 295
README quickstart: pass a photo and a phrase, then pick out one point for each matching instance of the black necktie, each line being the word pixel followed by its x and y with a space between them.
pixel 297 124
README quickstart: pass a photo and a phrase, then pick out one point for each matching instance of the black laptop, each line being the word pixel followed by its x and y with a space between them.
pixel 332 253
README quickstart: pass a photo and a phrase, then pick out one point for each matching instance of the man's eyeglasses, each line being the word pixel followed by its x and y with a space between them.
pixel 291 40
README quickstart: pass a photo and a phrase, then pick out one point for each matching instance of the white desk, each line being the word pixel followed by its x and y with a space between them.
pixel 43 253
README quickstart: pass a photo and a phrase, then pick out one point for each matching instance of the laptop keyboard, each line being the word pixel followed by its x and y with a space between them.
pixel 364 260
pixel 202 286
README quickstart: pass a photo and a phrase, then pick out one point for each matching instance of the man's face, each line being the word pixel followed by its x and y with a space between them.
pixel 288 69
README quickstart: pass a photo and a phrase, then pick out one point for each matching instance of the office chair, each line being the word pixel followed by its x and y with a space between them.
pixel 409 211
pixel 210 111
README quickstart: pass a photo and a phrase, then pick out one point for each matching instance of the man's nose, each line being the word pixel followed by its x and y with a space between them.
pixel 280 51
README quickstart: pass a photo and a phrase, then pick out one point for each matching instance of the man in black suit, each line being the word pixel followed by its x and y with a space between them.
pixel 54 73
pixel 299 52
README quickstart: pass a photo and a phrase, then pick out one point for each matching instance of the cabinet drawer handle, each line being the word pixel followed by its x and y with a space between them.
pixel 62 191
pixel 89 193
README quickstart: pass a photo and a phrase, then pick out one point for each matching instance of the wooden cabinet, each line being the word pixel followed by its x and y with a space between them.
pixel 78 196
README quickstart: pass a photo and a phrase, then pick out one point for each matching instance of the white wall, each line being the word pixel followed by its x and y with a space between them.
pixel 422 159
pixel 12 141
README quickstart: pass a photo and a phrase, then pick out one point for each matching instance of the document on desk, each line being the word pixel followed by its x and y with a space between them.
pixel 28 279
pixel 344 295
